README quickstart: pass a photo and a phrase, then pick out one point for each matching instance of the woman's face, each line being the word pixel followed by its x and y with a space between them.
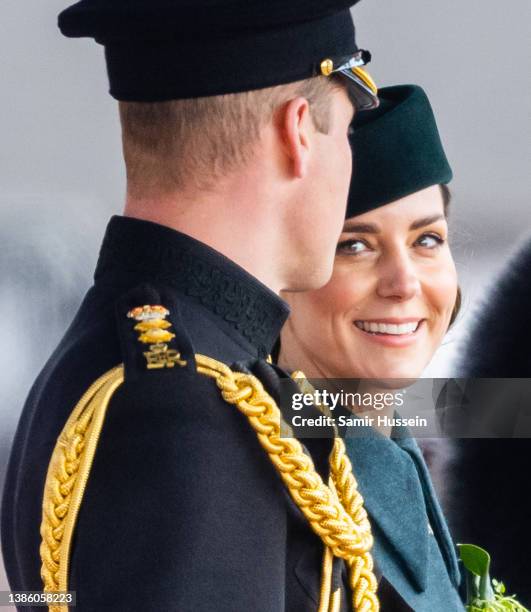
pixel 389 302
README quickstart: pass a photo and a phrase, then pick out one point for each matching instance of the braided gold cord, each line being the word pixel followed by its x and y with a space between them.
pixel 326 580
pixel 335 513
pixel 362 580
pixel 66 480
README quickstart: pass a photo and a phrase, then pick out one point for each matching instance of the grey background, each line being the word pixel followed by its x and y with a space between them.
pixel 61 174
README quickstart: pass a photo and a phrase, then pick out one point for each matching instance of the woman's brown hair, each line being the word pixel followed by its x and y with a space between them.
pixel 447 197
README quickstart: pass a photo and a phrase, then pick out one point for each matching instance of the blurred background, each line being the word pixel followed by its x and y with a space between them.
pixel 61 174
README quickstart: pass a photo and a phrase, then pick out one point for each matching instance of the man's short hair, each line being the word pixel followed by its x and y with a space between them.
pixel 171 145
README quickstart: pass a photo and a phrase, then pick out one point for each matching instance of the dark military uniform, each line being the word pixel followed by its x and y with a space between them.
pixel 183 509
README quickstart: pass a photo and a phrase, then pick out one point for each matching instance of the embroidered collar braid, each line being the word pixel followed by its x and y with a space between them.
pixel 335 512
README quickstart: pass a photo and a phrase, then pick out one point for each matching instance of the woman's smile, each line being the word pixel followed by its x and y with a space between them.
pixel 392 332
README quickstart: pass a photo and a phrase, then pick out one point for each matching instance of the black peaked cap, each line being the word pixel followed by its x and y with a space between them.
pixel 172 49
pixel 107 20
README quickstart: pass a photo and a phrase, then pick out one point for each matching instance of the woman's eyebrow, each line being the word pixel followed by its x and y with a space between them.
pixel 371 228
pixel 425 221
pixel 362 228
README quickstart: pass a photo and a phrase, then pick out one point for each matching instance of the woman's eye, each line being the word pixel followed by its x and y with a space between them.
pixel 429 241
pixel 351 247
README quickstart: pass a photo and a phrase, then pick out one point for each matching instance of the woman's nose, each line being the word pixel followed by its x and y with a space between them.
pixel 398 279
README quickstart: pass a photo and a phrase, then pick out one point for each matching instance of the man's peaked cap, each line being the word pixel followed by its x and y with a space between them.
pixel 174 49
pixel 107 20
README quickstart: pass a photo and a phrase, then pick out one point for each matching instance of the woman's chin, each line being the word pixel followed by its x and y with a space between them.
pixel 388 364
pixel 396 382
pixel 393 377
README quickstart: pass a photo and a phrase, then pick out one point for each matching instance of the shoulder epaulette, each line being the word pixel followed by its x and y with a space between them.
pixel 148 342
pixel 152 335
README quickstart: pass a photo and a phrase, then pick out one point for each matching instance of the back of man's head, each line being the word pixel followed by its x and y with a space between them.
pixel 192 144
pixel 233 123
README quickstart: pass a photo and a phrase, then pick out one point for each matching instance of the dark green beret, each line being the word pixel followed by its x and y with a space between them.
pixel 397 150
pixel 171 49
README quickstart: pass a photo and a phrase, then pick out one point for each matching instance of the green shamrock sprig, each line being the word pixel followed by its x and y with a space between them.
pixel 484 594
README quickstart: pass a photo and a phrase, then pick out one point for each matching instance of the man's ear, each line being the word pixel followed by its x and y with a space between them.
pixel 297 130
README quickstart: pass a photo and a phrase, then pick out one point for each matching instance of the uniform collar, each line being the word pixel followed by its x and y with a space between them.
pixel 135 251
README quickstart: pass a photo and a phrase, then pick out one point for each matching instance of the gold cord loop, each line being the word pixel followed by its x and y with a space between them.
pixel 335 512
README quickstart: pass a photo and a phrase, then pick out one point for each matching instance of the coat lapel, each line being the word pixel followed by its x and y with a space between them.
pixel 435 514
pixel 390 485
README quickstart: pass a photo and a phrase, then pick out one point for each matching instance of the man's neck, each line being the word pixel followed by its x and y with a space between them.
pixel 237 228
